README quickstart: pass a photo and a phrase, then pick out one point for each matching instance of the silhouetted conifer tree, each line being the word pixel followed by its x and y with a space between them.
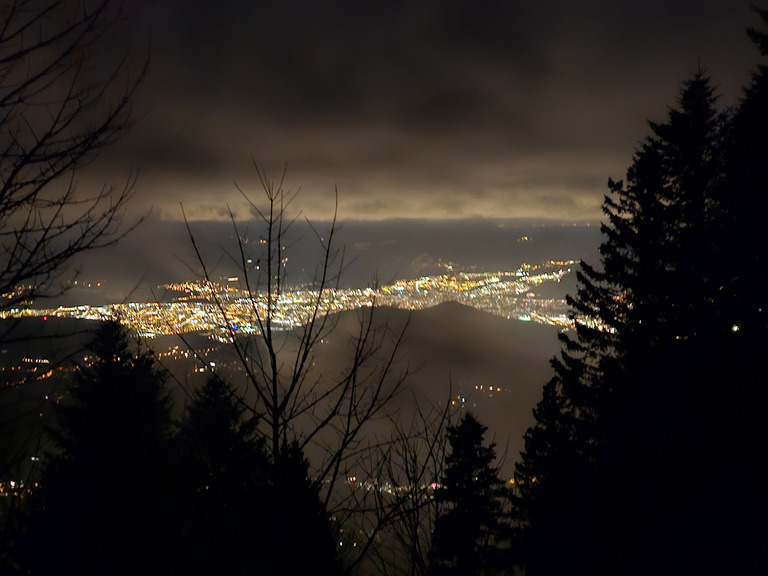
pixel 743 454
pixel 303 539
pixel 617 474
pixel 748 179
pixel 470 526
pixel 244 511
pixel 104 502
pixel 224 474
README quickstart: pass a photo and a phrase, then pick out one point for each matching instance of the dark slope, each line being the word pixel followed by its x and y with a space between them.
pixel 452 350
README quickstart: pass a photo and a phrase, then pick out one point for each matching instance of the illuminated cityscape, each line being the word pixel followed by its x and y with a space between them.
pixel 220 308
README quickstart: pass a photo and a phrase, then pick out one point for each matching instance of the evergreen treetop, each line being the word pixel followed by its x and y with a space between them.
pixel 107 490
pixel 646 387
pixel 470 524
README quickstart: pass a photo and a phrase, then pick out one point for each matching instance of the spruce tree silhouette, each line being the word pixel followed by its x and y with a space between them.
pixel 223 476
pixel 659 412
pixel 748 178
pixel 243 512
pixel 103 506
pixel 471 521
pixel 617 469
pixel 302 535
pixel 743 450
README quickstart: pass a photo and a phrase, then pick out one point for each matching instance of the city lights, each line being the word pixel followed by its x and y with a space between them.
pixel 220 309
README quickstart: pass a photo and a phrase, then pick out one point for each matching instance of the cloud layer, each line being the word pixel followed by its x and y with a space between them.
pixel 414 109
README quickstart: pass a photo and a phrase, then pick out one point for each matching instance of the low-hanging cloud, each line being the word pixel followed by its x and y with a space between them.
pixel 504 109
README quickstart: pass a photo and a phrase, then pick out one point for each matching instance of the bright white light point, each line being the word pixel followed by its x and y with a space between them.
pixel 735 328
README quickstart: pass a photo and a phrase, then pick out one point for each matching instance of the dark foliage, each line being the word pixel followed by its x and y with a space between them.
pixel 301 535
pixel 124 495
pixel 470 527
pixel 244 514
pixel 660 381
pixel 104 504
pixel 223 479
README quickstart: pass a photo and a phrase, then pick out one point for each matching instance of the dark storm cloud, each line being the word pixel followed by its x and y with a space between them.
pixel 421 108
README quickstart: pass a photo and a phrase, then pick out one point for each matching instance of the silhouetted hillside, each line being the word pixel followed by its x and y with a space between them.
pixel 454 350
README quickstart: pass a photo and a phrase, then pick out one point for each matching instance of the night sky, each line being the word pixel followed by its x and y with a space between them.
pixel 413 108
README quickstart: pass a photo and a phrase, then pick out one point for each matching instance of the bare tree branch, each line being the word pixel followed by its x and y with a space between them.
pixel 332 416
pixel 58 107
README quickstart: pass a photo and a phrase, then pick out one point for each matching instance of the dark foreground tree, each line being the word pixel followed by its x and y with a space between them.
pixel 122 496
pixel 470 526
pixel 748 181
pixel 242 513
pixel 618 474
pixel 301 534
pixel 105 503
pixel 744 448
pixel 223 478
